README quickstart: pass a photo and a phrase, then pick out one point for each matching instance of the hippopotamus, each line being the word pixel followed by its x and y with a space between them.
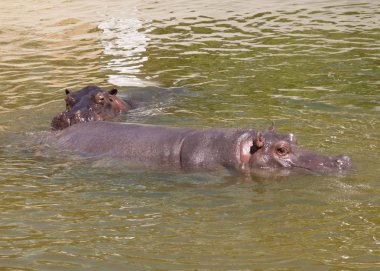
pixel 237 149
pixel 91 103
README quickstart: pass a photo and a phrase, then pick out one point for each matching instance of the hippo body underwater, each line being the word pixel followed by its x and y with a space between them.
pixel 239 149
pixel 91 103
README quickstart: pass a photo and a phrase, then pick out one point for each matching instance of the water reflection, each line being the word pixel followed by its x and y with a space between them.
pixel 312 66
pixel 124 44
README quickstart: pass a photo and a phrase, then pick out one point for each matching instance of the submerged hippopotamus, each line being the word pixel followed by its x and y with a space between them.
pixel 91 103
pixel 240 149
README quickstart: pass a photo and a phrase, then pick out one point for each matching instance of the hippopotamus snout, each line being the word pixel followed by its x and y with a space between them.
pixel 68 118
pixel 318 163
pixel 324 164
pixel 342 162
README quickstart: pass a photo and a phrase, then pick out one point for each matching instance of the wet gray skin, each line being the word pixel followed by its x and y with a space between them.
pixel 90 104
pixel 239 149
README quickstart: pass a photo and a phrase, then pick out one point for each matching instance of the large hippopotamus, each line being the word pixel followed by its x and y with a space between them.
pixel 91 103
pixel 240 149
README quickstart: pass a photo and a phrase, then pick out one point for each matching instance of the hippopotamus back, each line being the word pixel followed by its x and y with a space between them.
pixel 133 142
pixel 158 145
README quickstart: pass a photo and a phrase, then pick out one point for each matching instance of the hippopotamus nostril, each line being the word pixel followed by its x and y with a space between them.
pixel 343 161
pixel 344 158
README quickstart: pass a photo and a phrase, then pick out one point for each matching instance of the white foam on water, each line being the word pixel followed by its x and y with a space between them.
pixel 123 41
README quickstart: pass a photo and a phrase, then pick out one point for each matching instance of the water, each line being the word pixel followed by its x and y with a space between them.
pixel 312 66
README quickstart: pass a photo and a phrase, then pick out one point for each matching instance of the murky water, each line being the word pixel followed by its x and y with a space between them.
pixel 312 66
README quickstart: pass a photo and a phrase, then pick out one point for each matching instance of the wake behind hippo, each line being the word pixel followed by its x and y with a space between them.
pixel 240 149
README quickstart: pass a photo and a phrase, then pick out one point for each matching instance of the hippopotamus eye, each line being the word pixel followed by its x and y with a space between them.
pixel 99 98
pixel 282 149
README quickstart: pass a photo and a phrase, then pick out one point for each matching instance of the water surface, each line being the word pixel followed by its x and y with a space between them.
pixel 311 66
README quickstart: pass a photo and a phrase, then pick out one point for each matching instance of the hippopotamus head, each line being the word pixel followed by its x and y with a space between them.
pixel 281 152
pixel 90 104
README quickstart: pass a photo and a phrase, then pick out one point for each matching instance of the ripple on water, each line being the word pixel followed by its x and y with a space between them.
pixel 311 66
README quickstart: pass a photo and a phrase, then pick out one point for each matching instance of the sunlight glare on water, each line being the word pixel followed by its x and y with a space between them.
pixel 311 66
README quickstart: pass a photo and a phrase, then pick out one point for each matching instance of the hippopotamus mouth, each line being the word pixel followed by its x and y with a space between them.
pixel 324 164
pixel 316 164
pixel 68 118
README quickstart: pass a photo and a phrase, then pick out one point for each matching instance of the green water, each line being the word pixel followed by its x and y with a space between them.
pixel 313 67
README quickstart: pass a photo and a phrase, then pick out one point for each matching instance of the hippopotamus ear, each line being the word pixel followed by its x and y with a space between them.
pixel 260 140
pixel 249 146
pixel 272 127
pixel 113 91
